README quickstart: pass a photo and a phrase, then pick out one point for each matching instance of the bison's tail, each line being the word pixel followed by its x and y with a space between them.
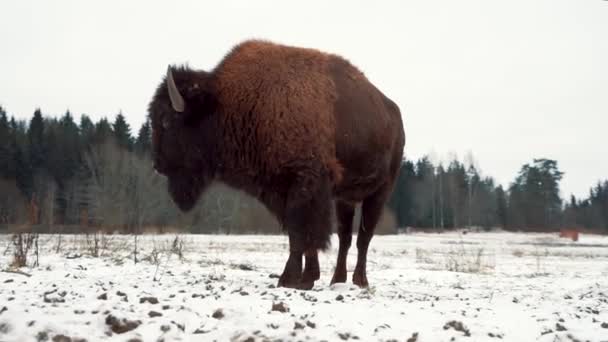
pixel 335 171
pixel 320 237
pixel 320 229
pixel 308 210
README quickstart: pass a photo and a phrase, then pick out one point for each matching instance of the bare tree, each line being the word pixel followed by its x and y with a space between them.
pixel 147 193
pixel 108 166
pixel 146 196
pixel 472 172
pixel 13 206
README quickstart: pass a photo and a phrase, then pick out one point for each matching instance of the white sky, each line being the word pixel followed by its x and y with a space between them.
pixel 507 80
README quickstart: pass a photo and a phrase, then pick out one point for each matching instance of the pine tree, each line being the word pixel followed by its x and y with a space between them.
pixel 457 185
pixel 402 199
pixel 603 205
pixel 54 154
pixel 69 145
pixel 598 211
pixel 87 131
pixel 103 131
pixel 36 143
pixel 143 144
pixel 7 169
pixel 501 207
pixel 426 189
pixel 535 194
pixel 23 172
pixel 122 132
pixel 484 203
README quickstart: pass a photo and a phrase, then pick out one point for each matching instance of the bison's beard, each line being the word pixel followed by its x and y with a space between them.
pixel 186 190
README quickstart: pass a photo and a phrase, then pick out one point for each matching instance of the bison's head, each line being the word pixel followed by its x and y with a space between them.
pixel 183 133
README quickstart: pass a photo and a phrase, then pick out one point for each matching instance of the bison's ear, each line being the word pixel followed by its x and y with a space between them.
pixel 200 102
pixel 192 96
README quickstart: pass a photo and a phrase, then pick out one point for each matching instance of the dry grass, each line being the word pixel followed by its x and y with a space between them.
pixel 423 256
pixel 468 260
pixel 540 256
pixel 24 244
pixel 459 258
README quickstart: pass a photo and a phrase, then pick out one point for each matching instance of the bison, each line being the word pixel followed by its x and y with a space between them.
pixel 299 129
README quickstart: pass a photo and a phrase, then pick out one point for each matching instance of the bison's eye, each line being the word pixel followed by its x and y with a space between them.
pixel 166 122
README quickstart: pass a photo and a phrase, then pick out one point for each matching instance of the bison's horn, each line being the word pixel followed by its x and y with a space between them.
pixel 177 101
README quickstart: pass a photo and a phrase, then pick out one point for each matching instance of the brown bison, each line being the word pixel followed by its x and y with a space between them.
pixel 296 128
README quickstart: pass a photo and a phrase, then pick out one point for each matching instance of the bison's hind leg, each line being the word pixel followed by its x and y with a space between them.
pixel 293 276
pixel 307 218
pixel 312 271
pixel 371 210
pixel 345 212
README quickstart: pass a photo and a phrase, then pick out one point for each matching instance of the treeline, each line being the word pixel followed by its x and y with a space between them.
pixel 456 195
pixel 57 173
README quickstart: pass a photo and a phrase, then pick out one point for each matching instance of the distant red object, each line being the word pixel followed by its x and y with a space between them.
pixel 569 233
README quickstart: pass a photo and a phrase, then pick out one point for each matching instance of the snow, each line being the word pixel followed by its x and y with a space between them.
pixel 515 287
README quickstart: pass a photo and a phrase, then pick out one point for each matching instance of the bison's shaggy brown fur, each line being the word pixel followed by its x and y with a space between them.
pixel 297 128
pixel 262 86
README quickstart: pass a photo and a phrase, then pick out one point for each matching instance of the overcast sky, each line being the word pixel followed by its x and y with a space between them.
pixel 507 80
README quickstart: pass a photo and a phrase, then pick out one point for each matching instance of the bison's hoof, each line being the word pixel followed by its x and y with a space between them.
pixel 339 277
pixel 311 275
pixel 306 285
pixel 289 281
pixel 300 284
pixel 288 284
pixel 360 279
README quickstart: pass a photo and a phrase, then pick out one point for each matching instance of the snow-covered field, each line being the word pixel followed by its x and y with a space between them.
pixel 424 287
